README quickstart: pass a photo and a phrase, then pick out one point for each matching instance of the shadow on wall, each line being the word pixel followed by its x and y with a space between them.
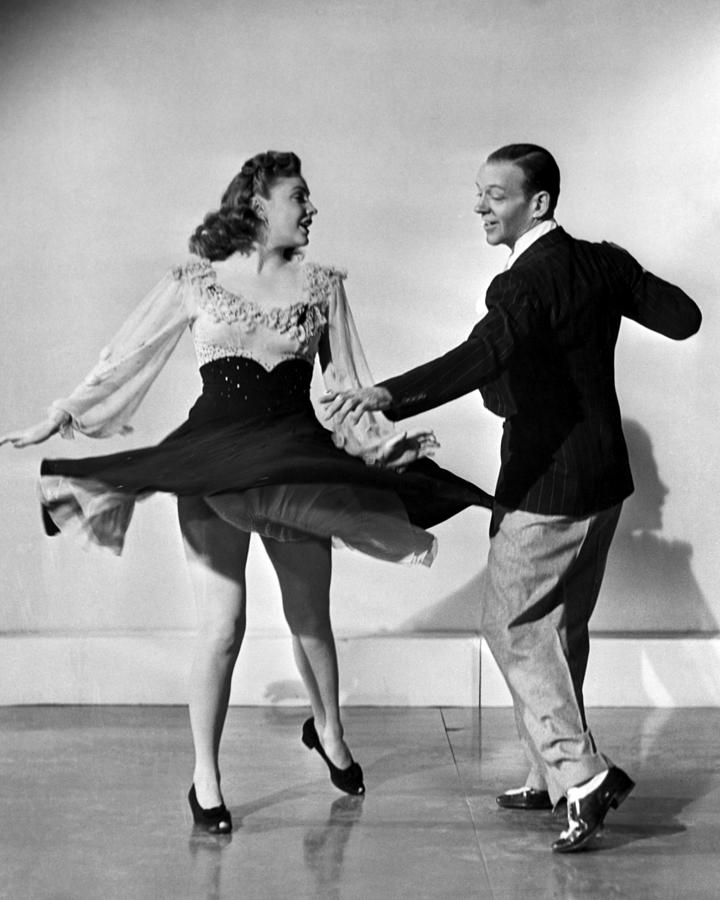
pixel 649 585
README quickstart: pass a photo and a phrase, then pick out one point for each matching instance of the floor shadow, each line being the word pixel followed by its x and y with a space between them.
pixel 324 845
pixel 653 744
pixel 206 852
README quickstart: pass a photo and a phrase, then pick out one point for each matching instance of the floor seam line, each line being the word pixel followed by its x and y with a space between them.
pixel 469 807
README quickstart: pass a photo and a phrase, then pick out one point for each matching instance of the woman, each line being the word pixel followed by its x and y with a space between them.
pixel 252 455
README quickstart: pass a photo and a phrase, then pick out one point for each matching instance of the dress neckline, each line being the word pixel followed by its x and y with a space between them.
pixel 260 308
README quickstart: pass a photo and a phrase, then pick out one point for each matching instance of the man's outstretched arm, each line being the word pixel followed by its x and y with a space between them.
pixel 512 315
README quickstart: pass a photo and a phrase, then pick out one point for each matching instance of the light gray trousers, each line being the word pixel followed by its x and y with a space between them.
pixel 540 588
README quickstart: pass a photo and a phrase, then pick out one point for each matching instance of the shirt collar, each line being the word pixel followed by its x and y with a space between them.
pixel 525 240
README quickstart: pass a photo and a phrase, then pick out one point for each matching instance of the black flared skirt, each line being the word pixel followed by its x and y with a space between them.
pixel 254 449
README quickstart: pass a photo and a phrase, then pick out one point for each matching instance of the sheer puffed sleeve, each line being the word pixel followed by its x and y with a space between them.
pixel 103 403
pixel 345 368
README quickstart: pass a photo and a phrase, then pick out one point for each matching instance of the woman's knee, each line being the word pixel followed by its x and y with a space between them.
pixel 222 635
pixel 304 572
pixel 306 614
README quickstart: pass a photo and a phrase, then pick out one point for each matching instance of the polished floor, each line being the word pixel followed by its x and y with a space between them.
pixel 93 806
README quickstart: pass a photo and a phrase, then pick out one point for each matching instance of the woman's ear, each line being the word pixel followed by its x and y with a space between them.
pixel 258 207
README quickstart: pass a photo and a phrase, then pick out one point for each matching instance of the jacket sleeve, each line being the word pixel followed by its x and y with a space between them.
pixel 513 313
pixel 103 403
pixel 654 303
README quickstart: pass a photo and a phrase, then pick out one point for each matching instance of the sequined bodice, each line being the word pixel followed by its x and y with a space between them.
pixel 239 389
pixel 228 325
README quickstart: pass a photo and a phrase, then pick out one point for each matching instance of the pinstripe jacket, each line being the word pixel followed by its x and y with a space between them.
pixel 543 359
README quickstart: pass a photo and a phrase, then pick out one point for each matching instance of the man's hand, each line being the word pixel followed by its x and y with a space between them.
pixel 353 404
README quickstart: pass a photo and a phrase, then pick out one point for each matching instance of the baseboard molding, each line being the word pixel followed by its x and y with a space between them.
pixel 376 670
pixel 153 668
pixel 651 671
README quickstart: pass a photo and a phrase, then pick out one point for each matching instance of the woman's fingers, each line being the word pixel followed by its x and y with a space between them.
pixel 16 438
pixel 34 435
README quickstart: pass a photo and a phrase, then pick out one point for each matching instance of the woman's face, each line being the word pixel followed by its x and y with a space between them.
pixel 288 213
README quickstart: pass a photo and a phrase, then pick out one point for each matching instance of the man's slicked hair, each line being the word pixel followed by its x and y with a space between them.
pixel 539 167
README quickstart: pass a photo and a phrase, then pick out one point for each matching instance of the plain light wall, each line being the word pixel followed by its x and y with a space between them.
pixel 123 122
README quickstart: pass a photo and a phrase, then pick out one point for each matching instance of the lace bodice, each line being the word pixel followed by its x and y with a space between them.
pixel 229 325
pixel 223 324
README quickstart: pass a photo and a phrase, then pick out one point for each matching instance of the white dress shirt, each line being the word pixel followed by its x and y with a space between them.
pixel 525 240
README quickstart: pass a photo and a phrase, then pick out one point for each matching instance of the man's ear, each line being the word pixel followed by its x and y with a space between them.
pixel 541 204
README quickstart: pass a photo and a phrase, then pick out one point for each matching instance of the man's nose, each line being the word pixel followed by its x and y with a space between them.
pixel 481 205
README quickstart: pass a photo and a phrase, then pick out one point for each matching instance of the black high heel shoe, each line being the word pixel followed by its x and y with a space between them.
pixel 349 780
pixel 216 820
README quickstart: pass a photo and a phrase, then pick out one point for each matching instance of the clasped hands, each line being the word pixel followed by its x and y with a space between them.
pixel 402 448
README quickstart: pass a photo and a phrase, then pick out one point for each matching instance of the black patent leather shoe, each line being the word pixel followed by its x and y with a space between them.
pixel 350 779
pixel 528 798
pixel 586 816
pixel 216 820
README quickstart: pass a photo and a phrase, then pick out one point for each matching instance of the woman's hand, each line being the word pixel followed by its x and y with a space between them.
pixel 406 447
pixel 35 434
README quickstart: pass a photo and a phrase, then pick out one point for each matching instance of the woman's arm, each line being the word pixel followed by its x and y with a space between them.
pixel 370 435
pixel 102 404
pixel 41 431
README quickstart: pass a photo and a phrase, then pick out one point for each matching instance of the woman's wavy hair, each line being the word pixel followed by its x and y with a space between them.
pixel 236 225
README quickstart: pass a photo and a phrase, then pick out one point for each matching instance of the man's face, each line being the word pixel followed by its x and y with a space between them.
pixel 506 212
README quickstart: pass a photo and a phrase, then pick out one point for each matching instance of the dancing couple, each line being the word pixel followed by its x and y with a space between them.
pixel 253 457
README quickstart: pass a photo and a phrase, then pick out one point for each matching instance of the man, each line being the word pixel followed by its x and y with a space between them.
pixel 543 359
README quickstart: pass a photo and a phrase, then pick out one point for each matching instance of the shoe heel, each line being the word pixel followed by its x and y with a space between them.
pixel 622 793
pixel 621 797
pixel 309 735
pixel 350 779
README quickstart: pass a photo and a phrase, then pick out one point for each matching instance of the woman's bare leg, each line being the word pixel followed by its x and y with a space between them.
pixel 216 553
pixel 308 676
pixel 304 569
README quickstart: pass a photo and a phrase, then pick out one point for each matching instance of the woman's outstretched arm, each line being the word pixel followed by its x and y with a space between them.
pixel 41 431
pixel 103 403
